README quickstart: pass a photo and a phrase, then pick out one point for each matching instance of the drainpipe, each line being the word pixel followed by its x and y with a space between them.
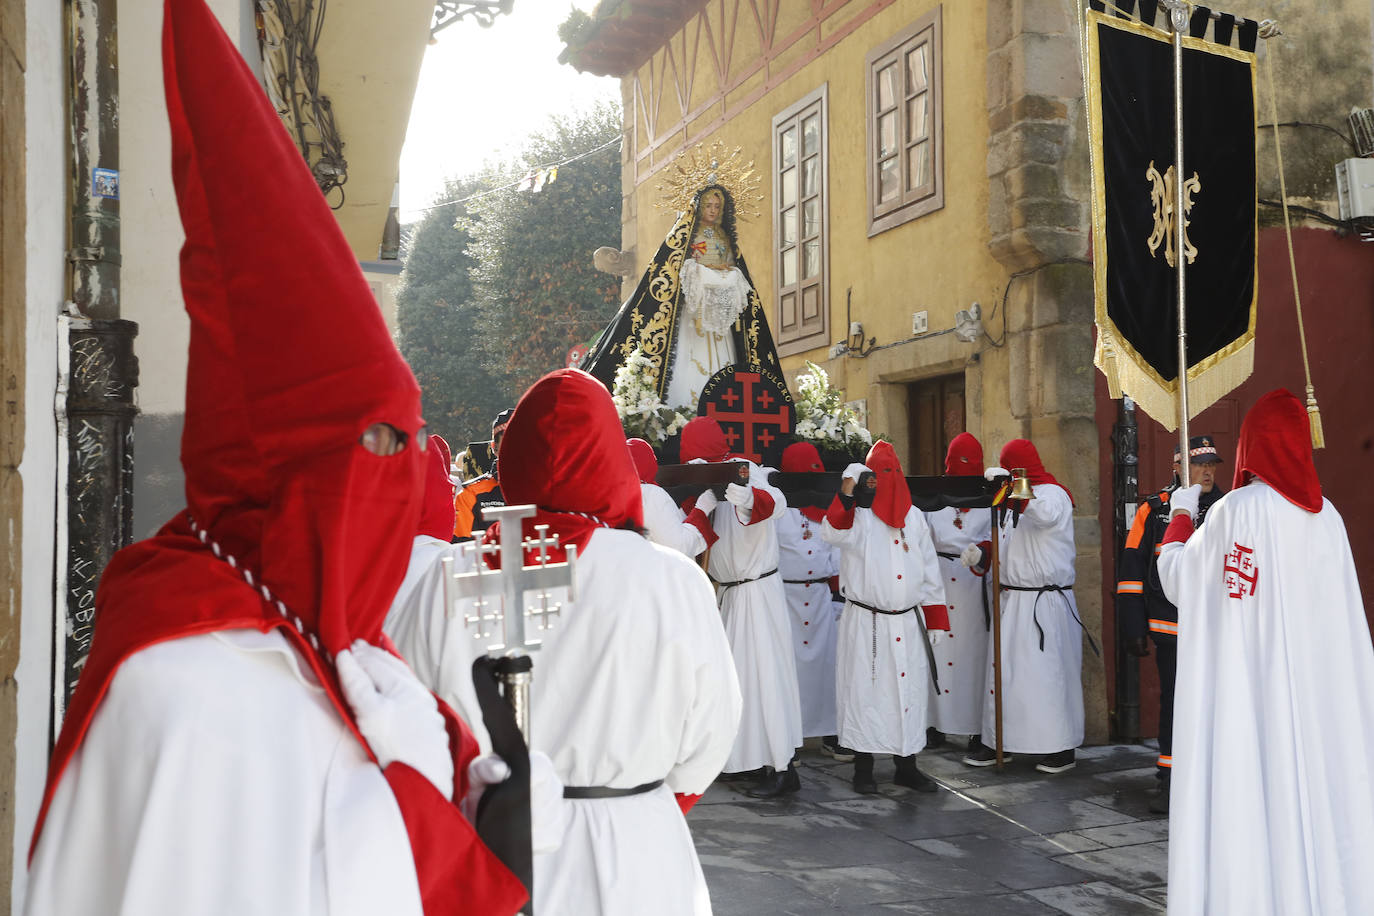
pixel 101 369
pixel 1125 499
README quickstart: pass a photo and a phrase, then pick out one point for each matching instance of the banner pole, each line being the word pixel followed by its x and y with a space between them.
pixel 995 562
pixel 1178 20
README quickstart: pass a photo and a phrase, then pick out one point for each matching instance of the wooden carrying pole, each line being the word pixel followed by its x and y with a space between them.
pixel 995 562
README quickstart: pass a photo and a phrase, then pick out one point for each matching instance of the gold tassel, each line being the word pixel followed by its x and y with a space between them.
pixel 1314 417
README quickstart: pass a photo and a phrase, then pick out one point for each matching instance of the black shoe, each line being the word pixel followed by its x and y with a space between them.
pixel 831 747
pixel 776 782
pixel 741 776
pixel 911 777
pixel 975 743
pixel 1057 763
pixel 984 756
pixel 1159 804
pixel 864 783
pixel 934 738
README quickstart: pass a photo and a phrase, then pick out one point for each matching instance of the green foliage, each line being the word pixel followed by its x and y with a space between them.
pixel 536 291
pixel 437 320
pixel 573 29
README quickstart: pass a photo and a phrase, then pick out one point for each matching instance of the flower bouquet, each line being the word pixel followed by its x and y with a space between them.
pixel 836 430
pixel 642 412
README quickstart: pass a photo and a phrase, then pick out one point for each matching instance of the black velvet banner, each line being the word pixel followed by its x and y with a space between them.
pixel 1135 138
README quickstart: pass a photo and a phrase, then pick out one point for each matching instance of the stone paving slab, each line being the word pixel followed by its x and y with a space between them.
pixel 992 842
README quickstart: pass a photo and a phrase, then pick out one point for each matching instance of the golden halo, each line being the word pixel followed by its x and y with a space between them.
pixel 699 166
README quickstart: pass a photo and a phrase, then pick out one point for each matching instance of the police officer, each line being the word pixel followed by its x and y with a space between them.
pixel 1140 603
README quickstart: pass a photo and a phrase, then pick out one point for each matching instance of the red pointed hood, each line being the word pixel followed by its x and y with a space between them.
pixel 703 438
pixel 893 499
pixel 1275 445
pixel 803 458
pixel 646 462
pixel 965 457
pixel 564 452
pixel 437 513
pixel 1020 453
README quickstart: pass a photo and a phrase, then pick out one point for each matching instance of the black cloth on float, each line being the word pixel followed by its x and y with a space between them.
pixel 928 494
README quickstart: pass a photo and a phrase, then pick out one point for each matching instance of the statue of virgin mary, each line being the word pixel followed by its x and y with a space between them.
pixel 695 310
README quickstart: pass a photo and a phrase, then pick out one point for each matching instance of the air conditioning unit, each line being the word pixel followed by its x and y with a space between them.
pixel 1355 188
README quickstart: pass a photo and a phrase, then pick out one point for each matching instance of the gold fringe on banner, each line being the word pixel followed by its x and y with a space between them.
pixel 1208 381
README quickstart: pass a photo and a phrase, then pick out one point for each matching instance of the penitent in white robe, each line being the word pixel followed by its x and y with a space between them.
pixel 634 683
pixel 1042 689
pixel 882 673
pixel 666 523
pixel 217 778
pixel 962 656
pixel 803 556
pixel 759 629
pixel 1272 805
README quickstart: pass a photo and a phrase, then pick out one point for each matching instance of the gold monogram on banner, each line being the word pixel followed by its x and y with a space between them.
pixel 1163 197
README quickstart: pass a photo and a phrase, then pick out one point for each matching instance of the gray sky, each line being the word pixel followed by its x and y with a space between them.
pixel 482 91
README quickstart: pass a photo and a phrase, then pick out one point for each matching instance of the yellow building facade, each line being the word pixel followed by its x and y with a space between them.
pixel 936 160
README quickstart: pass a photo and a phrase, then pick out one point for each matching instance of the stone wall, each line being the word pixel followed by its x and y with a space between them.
pixel 1038 217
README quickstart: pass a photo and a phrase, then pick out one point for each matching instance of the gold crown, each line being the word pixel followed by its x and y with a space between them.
pixel 700 166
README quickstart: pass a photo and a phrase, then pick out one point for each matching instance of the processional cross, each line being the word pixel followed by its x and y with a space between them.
pixel 492 602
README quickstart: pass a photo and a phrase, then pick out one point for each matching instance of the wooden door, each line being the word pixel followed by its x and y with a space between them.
pixel 935 413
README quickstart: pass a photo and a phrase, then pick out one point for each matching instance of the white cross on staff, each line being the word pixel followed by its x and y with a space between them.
pixel 487 598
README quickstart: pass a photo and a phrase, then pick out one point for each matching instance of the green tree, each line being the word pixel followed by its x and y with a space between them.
pixel 437 320
pixel 536 290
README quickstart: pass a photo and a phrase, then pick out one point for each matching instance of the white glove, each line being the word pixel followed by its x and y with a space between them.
pixel 994 473
pixel 853 471
pixel 1185 499
pixel 548 810
pixel 936 637
pixel 395 713
pixel 698 461
pixel 972 556
pixel 707 501
pixel 738 496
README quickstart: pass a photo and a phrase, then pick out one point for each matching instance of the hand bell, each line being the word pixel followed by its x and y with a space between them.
pixel 1020 485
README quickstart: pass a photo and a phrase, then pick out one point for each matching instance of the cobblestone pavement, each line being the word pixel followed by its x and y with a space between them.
pixel 992 844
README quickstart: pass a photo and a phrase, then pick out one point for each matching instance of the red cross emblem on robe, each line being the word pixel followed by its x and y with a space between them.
pixel 1240 574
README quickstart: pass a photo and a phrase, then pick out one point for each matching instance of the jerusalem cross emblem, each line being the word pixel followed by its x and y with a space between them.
pixel 1239 573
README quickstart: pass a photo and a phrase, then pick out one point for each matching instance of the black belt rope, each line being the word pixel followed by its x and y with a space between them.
pixel 925 637
pixel 607 792
pixel 1040 591
pixel 806 581
pixel 987 611
pixel 770 572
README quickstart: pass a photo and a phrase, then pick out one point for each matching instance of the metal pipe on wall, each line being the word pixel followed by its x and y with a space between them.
pixel 102 369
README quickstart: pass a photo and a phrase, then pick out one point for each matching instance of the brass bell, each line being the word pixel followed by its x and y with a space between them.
pixel 1020 485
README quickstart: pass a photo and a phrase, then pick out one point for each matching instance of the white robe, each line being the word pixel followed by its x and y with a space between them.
pixel 882 675
pixel 760 632
pixel 217 778
pixel 666 522
pixel 1272 806
pixel 962 655
pixel 804 555
pixel 1042 691
pixel 634 683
